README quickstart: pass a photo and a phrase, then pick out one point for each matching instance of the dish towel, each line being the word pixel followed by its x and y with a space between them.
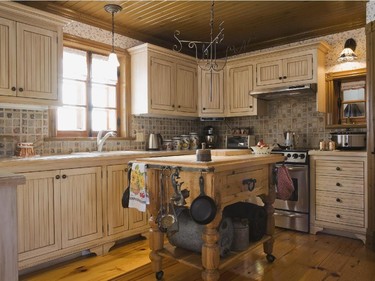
pixel 285 186
pixel 138 197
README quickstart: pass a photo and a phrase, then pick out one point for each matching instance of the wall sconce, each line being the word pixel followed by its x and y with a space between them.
pixel 348 53
pixel 113 9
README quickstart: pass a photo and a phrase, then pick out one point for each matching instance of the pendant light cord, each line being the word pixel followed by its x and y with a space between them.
pixel 113 32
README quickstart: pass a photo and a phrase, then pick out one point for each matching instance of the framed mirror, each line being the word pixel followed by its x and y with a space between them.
pixel 346 99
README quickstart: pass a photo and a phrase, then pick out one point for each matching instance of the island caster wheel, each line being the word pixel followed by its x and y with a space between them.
pixel 270 258
pixel 159 275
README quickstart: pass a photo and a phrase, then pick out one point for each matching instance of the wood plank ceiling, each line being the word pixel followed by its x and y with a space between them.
pixel 261 24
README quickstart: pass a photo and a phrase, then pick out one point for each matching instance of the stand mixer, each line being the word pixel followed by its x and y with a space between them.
pixel 209 137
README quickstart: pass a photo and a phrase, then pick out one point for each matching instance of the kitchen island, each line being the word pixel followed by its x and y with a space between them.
pixel 227 180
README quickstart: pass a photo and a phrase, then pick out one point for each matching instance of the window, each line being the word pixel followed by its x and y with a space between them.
pixel 89 94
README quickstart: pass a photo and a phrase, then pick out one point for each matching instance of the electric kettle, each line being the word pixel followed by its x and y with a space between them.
pixel 154 142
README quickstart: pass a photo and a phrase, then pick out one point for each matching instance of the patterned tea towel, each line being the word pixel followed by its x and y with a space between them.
pixel 285 185
pixel 138 190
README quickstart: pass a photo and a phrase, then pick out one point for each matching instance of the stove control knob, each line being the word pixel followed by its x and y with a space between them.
pixel 288 155
pixel 302 156
pixel 295 155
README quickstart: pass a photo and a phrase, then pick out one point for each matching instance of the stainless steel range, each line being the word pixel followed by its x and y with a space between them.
pixel 293 213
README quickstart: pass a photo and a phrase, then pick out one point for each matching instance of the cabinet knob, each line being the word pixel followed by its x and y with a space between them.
pixel 13 89
pixel 338 216
pixel 338 184
pixel 57 177
pixel 179 106
pixel 204 108
pixel 284 77
pixel 250 106
pixel 338 169
pixel 338 200
pixel 64 176
pixel 280 78
pixel 173 105
pixel 20 89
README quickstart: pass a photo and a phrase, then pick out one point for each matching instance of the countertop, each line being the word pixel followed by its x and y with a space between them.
pixel 361 153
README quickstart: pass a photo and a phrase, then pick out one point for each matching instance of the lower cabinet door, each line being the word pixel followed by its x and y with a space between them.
pixel 38 207
pixel 81 206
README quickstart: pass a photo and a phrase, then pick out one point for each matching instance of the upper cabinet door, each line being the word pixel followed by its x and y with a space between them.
pixel 162 84
pixel 269 73
pixel 298 68
pixel 240 84
pixel 187 89
pixel 36 62
pixel 212 94
pixel 7 57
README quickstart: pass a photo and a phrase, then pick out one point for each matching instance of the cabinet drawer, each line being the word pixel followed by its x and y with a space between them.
pixel 340 200
pixel 340 216
pixel 235 182
pixel 339 184
pixel 352 169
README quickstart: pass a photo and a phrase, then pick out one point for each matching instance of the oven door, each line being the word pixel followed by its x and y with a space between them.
pixel 299 200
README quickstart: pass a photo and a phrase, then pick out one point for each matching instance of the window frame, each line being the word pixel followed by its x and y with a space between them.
pixel 123 89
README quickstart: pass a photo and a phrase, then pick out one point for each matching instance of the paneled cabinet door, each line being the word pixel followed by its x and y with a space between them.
pixel 162 84
pixel 117 181
pixel 298 68
pixel 36 62
pixel 212 94
pixel 7 57
pixel 81 205
pixel 39 214
pixel 240 83
pixel 186 88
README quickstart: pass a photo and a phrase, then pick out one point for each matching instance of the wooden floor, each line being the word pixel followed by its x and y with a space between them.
pixel 298 257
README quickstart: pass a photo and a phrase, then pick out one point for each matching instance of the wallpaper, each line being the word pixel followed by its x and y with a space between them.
pixel 370 11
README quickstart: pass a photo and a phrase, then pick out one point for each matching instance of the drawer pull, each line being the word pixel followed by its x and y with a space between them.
pixel 338 169
pixel 338 200
pixel 338 216
pixel 250 183
pixel 338 184
pixel 64 176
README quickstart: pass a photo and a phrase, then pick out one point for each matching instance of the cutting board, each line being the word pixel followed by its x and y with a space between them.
pixel 230 152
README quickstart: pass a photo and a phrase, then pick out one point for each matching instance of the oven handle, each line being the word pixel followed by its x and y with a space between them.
pixel 287 215
pixel 294 168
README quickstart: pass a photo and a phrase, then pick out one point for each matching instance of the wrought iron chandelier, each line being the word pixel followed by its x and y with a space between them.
pixel 207 59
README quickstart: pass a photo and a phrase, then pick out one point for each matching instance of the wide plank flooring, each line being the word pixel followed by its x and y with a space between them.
pixel 299 256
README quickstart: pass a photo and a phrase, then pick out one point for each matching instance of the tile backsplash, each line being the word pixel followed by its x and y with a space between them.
pixel 295 114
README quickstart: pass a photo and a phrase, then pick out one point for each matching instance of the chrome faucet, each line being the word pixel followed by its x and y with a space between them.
pixel 101 140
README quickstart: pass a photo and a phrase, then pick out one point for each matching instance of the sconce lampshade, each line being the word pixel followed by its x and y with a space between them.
pixel 348 53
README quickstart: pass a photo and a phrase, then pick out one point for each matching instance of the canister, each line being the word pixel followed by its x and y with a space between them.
pixel 176 143
pixel 194 141
pixel 185 142
pixel 167 145
pixel 241 234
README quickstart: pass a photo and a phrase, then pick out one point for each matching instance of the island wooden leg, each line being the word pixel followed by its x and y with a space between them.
pixel 211 250
pixel 268 201
pixel 156 242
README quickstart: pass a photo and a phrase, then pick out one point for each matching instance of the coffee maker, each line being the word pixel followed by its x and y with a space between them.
pixel 210 138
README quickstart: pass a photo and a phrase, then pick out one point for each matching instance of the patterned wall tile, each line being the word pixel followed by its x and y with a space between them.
pixel 370 11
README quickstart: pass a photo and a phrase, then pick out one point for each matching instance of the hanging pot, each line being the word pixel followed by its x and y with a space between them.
pixel 203 208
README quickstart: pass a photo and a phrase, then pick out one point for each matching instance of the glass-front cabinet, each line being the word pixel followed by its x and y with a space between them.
pixel 346 92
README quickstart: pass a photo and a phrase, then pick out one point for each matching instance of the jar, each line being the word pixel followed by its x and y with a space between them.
pixel 322 145
pixel 194 141
pixel 331 145
pixel 176 143
pixel 167 145
pixel 185 142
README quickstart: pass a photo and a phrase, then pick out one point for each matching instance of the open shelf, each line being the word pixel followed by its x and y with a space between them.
pixel 195 259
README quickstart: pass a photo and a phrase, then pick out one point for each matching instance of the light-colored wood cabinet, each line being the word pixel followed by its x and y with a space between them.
pixel 121 222
pixel 211 93
pixel 163 82
pixel 81 206
pixel 239 85
pixel 291 69
pixel 58 209
pixel 39 214
pixel 338 195
pixel 31 48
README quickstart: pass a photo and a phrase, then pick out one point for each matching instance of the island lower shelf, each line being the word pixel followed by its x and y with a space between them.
pixel 194 259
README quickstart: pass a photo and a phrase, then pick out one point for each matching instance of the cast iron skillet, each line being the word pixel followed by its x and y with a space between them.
pixel 203 208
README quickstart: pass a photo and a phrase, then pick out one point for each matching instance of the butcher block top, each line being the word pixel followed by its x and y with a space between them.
pixel 218 162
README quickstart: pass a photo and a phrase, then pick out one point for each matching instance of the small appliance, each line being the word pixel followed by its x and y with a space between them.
pixel 239 142
pixel 349 140
pixel 155 142
pixel 210 138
